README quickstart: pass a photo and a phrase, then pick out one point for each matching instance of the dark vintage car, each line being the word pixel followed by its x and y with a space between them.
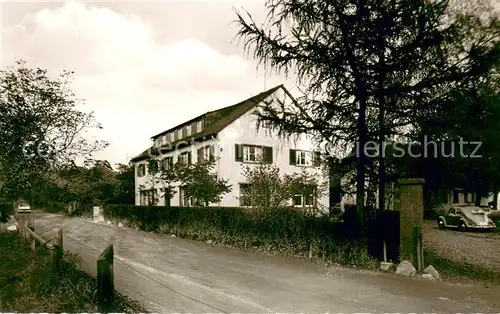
pixel 466 218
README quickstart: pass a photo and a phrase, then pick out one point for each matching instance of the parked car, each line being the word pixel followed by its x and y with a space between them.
pixel 23 208
pixel 466 218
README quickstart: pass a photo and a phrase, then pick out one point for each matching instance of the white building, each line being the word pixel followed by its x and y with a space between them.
pixel 231 137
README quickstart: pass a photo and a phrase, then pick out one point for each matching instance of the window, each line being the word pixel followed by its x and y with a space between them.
pixel 455 197
pixel 171 137
pixel 304 158
pixel 167 162
pixel 184 200
pixel 245 194
pixel 300 201
pixel 188 130
pixel 141 170
pixel 179 134
pixel 206 153
pixel 148 197
pixel 153 197
pixel 253 153
pixel 199 126
pixel 164 140
pixel 266 124
pixel 184 158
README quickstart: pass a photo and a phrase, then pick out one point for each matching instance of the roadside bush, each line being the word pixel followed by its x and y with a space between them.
pixel 282 230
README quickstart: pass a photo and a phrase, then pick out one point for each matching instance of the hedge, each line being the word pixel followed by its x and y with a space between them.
pixel 284 230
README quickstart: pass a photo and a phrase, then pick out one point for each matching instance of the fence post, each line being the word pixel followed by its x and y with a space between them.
pixel 31 226
pixel 105 280
pixel 58 252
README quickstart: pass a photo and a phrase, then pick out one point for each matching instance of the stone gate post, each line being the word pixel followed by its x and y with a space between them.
pixel 410 204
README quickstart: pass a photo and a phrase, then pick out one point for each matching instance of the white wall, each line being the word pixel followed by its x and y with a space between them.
pixel 242 131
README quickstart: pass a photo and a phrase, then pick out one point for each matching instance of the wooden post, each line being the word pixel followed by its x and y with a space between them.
pixel 58 252
pixel 31 226
pixel 411 207
pixel 105 280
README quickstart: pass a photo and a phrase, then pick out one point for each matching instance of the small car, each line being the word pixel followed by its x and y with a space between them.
pixel 23 208
pixel 466 218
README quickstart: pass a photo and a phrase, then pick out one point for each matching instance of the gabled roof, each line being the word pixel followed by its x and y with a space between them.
pixel 215 121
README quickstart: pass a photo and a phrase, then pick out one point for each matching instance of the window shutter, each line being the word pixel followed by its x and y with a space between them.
pixel 293 157
pixel 175 135
pixel 189 158
pixel 200 155
pixel 184 131
pixel 194 130
pixel 212 152
pixel 268 154
pixel 317 159
pixel 238 152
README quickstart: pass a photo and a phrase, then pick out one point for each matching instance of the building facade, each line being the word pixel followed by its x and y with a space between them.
pixel 230 137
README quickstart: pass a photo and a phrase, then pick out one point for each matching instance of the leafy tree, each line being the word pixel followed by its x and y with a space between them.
pixel 124 191
pixel 372 69
pixel 156 175
pixel 40 127
pixel 269 189
pixel 197 179
pixel 307 184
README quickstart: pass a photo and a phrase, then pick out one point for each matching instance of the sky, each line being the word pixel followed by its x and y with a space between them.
pixel 142 67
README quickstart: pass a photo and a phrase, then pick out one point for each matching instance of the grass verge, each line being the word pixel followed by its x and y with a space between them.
pixel 460 271
pixel 28 284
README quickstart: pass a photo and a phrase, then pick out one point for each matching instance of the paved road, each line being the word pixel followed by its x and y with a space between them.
pixel 175 275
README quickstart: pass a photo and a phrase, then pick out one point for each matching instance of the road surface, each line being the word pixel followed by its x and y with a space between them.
pixel 169 274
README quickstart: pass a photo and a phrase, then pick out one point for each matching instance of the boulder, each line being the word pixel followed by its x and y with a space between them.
pixel 386 266
pixel 428 277
pixel 405 268
pixel 209 242
pixel 120 225
pixel 173 236
pixel 11 228
pixel 430 270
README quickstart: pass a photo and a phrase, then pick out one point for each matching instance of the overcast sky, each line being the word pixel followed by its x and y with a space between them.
pixel 141 67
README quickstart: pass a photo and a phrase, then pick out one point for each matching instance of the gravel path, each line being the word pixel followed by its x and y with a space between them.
pixel 480 248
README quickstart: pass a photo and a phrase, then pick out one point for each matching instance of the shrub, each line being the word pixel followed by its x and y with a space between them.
pixel 284 230
pixel 6 209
